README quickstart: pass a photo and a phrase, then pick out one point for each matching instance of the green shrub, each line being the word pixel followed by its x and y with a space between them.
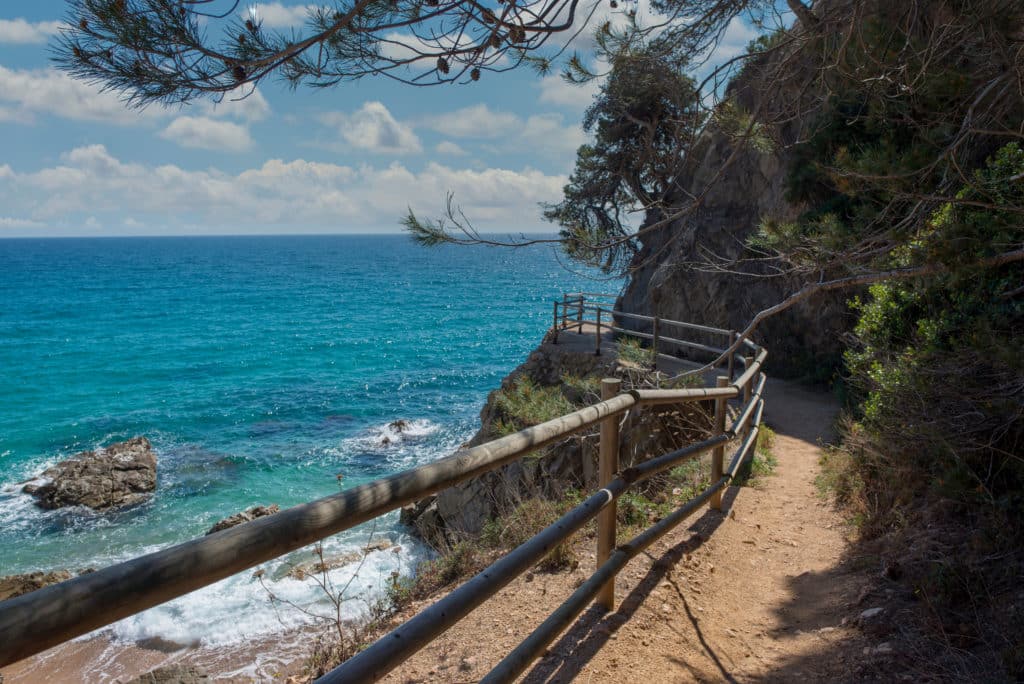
pixel 524 403
pixel 454 564
pixel 526 520
pixel 632 350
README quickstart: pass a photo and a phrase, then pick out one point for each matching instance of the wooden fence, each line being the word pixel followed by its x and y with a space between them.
pixel 41 619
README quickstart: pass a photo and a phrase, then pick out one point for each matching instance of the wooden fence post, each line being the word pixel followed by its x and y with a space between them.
pixel 608 465
pixel 748 391
pixel 554 323
pixel 718 455
pixel 732 355
pixel 597 334
pixel 565 310
pixel 654 344
pixel 579 317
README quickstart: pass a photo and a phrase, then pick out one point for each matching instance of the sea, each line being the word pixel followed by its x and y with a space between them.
pixel 264 370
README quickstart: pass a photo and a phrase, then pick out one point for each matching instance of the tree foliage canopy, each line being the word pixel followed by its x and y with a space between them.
pixel 644 117
pixel 175 51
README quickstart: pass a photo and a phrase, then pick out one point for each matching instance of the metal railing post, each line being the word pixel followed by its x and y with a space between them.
pixel 608 464
pixel 554 322
pixel 718 455
pixel 597 334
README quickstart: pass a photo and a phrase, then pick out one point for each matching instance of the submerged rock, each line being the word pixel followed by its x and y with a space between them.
pixel 172 674
pixel 318 565
pixel 121 474
pixel 245 516
pixel 16 585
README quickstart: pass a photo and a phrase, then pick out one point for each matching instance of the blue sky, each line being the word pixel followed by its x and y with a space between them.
pixel 74 161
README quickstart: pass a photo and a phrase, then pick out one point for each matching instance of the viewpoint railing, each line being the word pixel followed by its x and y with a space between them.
pixel 41 619
pixel 578 310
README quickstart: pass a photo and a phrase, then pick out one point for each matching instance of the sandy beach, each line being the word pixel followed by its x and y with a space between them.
pixel 101 660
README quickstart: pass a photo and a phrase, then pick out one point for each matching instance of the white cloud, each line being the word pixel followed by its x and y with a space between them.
pixel 477 121
pixel 545 131
pixel 22 32
pixel 48 91
pixel 373 128
pixel 448 148
pixel 554 90
pixel 26 94
pixel 244 104
pixel 29 92
pixel 737 36
pixel 7 114
pixel 503 132
pixel 90 182
pixel 10 222
pixel 277 16
pixel 208 134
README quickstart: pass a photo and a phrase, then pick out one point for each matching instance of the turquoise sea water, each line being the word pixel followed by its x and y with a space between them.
pixel 260 368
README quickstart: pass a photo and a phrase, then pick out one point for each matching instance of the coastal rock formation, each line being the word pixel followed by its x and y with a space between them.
pixel 464 509
pixel 16 585
pixel 665 284
pixel 245 516
pixel 121 474
pixel 173 674
pixel 319 564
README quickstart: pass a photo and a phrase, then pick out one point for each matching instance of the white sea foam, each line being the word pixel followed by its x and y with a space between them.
pixel 411 443
pixel 240 608
pixel 17 509
pixel 399 431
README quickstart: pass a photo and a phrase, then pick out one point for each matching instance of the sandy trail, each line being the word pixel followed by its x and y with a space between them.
pixel 755 593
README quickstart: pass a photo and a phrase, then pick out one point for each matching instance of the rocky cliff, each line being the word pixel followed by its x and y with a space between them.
pixel 727 187
pixel 573 378
pixel 667 283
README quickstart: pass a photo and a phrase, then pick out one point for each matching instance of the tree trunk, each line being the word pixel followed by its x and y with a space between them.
pixel 802 12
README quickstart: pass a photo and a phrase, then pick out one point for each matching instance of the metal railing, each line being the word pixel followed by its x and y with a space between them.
pixel 44 618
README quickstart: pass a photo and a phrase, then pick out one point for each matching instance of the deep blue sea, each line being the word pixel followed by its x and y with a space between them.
pixel 260 368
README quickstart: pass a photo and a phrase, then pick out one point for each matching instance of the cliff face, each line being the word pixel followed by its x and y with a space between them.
pixel 670 281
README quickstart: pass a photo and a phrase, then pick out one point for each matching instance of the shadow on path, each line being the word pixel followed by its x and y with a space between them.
pixel 567 657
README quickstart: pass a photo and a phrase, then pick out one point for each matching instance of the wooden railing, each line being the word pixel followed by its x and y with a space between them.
pixel 38 620
pixel 578 311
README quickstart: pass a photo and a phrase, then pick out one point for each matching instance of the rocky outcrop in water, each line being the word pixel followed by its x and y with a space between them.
pixel 16 585
pixel 121 474
pixel 245 516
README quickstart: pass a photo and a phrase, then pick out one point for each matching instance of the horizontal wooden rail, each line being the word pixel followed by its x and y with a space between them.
pixel 678 324
pixel 40 619
pixel 594 295
pixel 675 396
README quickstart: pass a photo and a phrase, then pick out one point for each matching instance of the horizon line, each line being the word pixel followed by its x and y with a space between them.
pixel 246 235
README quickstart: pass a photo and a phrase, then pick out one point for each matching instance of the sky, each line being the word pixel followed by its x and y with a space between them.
pixel 75 161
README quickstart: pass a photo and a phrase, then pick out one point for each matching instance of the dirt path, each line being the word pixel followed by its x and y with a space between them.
pixel 757 593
